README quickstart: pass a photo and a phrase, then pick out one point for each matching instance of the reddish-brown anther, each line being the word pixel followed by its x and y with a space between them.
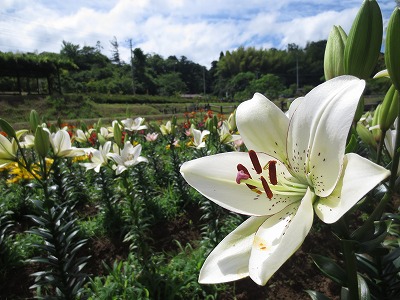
pixel 272 172
pixel 255 161
pixel 266 187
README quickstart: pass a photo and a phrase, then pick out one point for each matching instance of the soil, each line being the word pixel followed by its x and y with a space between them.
pixel 289 282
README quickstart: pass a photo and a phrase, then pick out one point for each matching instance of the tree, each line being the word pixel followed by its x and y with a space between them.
pixel 115 51
pixel 170 84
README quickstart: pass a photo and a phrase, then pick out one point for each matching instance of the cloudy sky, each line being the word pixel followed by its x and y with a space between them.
pixel 197 29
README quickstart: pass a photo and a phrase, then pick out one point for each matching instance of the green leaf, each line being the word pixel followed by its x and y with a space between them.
pixel 316 295
pixel 351 146
pixel 363 290
pixel 330 268
pixel 7 128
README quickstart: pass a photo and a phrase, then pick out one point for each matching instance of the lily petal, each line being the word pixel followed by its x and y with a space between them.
pixel 263 126
pixel 215 177
pixel 8 149
pixel 293 106
pixel 318 131
pixel 359 176
pixel 279 237
pixel 230 259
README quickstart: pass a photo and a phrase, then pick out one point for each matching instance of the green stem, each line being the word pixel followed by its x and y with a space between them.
pixel 351 268
pixel 380 147
pixel 396 157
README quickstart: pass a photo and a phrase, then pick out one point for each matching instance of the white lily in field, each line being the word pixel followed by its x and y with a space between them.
pixel 98 158
pixel 127 157
pixel 166 129
pixel 390 141
pixel 297 165
pixel 8 151
pixel 61 144
pixel 134 124
pixel 198 137
pixel 225 135
pixel 106 133
pixel 81 136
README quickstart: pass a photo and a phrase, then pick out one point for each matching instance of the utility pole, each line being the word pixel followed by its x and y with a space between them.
pixel 133 71
pixel 204 81
pixel 297 72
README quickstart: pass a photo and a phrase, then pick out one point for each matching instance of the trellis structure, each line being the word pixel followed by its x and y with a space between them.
pixel 32 73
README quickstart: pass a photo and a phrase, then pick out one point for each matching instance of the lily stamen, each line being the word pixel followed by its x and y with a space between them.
pixel 255 161
pixel 272 172
pixel 266 188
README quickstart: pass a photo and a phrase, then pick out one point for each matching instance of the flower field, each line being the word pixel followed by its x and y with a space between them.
pixel 258 204
pixel 103 212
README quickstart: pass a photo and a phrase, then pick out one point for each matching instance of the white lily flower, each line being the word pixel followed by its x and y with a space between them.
pixel 128 157
pixel 98 158
pixel 198 137
pixel 300 167
pixel 380 74
pixel 28 141
pixel 166 129
pixel 106 133
pixel 8 151
pixel 134 124
pixel 225 135
pixel 81 137
pixel 390 141
pixel 61 144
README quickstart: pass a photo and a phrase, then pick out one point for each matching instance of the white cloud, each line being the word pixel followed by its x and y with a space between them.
pixel 197 29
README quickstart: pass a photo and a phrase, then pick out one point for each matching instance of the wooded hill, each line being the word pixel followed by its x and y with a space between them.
pixel 236 75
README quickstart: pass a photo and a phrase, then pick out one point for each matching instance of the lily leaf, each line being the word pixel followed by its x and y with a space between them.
pixel 330 268
pixel 363 290
pixel 316 295
pixel 7 128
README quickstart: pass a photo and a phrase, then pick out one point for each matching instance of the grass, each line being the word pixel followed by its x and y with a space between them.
pixel 84 108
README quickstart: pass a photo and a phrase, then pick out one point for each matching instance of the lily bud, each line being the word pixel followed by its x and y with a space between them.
pixel 334 53
pixel 33 120
pixel 375 127
pixel 365 135
pixel 390 109
pixel 98 125
pixel 42 141
pixel 102 140
pixel 117 134
pixel 364 41
pixel 392 48
pixel 173 125
pixel 232 121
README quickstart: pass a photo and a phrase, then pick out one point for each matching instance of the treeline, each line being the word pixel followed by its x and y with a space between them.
pixel 236 75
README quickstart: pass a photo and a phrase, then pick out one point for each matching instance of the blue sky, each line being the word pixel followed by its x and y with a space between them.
pixel 197 29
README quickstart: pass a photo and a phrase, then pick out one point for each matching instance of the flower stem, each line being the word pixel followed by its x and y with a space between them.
pixel 351 268
pixel 380 147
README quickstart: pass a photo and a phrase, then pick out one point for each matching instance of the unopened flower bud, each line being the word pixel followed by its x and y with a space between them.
pixel 173 125
pixel 364 41
pixel 334 53
pixel 232 121
pixel 42 141
pixel 33 120
pixel 389 110
pixel 375 127
pixel 392 48
pixel 365 135
pixel 117 134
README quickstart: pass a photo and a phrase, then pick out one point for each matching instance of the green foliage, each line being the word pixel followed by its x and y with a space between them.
pixel 6 254
pixel 120 283
pixel 63 272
